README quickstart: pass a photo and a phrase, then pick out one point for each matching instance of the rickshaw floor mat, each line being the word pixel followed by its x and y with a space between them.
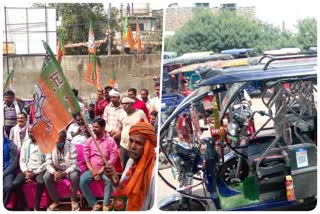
pixel 249 194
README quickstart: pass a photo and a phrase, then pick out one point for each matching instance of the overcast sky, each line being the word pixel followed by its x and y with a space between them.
pixel 272 11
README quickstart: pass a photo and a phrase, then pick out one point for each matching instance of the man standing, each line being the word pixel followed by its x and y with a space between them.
pixel 144 95
pixel 101 102
pixel 10 162
pixel 95 164
pixel 136 188
pixel 19 133
pixel 111 115
pixel 11 110
pixel 62 163
pixel 90 116
pixel 138 104
pixel 32 165
pixel 156 102
pixel 129 117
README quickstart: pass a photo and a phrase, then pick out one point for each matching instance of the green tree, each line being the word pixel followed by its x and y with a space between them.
pixel 307 33
pixel 225 30
pixel 75 23
pixel 214 32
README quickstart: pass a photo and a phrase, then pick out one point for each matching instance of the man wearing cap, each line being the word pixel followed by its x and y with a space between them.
pixel 136 188
pixel 111 115
pixel 129 117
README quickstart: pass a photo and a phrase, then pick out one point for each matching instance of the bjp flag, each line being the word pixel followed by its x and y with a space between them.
pixel 93 74
pixel 54 103
pixel 127 34
pixel 60 48
pixel 138 39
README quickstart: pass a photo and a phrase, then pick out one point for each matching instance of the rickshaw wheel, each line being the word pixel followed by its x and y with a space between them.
pixel 193 205
pixel 228 170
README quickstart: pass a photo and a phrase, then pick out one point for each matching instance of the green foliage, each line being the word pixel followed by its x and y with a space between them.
pixel 75 23
pixel 307 33
pixel 225 30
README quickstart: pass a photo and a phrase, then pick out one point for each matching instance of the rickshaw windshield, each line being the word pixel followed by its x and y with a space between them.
pixel 233 91
pixel 195 96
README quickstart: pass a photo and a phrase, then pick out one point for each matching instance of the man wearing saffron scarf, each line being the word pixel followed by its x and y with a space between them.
pixel 136 188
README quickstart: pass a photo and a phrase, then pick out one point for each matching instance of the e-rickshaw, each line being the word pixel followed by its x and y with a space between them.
pixel 281 150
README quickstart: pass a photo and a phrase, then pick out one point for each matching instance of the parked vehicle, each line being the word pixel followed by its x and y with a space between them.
pixel 173 82
pixel 239 53
pixel 169 55
pixel 281 151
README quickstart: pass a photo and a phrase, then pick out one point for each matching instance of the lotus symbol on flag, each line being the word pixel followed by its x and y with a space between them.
pixel 40 100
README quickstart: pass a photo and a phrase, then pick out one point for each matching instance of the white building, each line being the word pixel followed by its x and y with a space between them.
pixel 25 28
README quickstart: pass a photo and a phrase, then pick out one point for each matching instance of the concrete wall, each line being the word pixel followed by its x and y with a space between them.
pixel 177 17
pixel 130 70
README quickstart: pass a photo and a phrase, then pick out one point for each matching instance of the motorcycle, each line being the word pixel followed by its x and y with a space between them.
pixel 276 161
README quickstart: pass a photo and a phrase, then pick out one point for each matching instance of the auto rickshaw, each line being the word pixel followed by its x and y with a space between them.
pixel 280 152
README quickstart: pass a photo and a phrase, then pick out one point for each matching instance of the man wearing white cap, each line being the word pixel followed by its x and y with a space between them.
pixel 111 115
pixel 129 117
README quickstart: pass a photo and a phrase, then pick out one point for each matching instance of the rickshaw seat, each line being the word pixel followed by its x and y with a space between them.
pixel 272 163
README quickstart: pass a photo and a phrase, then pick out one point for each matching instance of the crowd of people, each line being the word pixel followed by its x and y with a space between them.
pixel 124 127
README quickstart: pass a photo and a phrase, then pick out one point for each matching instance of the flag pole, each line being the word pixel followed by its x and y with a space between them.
pixel 115 178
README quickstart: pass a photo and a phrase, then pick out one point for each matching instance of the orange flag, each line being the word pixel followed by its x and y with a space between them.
pixel 93 74
pixel 137 39
pixel 54 103
pixel 127 34
pixel 60 48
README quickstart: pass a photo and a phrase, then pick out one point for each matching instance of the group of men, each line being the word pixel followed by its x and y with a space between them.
pixel 122 134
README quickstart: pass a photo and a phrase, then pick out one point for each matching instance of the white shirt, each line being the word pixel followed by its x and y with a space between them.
pixel 155 103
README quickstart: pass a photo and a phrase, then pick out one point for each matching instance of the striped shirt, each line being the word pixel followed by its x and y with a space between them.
pixel 111 115
pixel 10 117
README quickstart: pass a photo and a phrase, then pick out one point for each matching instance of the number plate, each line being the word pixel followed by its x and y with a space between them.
pixel 302 158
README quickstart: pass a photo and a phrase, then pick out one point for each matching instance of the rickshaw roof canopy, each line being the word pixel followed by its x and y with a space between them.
pixel 237 51
pixel 257 73
pixel 198 58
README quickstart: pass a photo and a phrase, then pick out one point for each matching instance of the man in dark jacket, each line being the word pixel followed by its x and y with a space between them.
pixel 10 161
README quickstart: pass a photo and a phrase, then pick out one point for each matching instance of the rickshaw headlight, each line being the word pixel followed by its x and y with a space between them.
pixel 176 160
pixel 233 128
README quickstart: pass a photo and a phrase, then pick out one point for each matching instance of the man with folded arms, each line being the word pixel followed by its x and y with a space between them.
pixel 111 115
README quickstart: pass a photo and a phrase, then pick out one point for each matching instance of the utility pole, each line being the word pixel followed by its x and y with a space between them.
pixel 121 20
pixel 109 34
pixel 7 49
